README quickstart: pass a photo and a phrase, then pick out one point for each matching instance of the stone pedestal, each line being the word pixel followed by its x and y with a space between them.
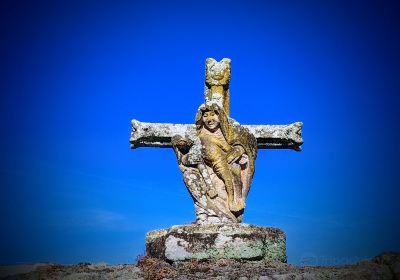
pixel 217 241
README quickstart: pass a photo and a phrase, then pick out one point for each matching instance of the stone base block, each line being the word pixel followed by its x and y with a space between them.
pixel 217 241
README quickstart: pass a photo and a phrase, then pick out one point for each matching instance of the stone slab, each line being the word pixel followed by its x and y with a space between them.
pixel 217 241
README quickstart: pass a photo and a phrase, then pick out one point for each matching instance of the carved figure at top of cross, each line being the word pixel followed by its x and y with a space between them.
pixel 217 154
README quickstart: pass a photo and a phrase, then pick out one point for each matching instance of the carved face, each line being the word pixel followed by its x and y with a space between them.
pixel 211 120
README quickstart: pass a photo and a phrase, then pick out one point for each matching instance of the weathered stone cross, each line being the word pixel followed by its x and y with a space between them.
pixel 217 154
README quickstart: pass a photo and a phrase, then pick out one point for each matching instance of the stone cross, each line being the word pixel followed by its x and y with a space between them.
pixel 216 155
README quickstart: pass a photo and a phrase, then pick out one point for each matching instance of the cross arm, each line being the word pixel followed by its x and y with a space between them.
pixel 146 134
pixel 278 136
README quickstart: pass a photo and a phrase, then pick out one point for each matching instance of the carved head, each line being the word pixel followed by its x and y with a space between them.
pixel 218 73
pixel 211 117
pixel 210 120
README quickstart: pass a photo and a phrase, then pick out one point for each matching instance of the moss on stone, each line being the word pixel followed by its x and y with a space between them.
pixel 218 241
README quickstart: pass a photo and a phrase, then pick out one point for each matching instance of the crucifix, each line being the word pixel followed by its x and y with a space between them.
pixel 216 154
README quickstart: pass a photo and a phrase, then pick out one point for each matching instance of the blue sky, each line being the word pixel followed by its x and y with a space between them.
pixel 74 73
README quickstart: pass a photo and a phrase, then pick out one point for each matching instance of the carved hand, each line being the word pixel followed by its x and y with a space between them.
pixel 235 153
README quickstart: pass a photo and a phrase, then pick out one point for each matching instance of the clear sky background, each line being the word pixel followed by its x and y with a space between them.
pixel 74 73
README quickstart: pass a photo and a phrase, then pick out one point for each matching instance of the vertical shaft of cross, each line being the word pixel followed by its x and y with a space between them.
pixel 218 76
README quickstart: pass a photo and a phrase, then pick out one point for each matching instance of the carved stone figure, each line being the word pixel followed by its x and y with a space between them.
pixel 217 154
pixel 218 165
pixel 229 150
pixel 218 174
